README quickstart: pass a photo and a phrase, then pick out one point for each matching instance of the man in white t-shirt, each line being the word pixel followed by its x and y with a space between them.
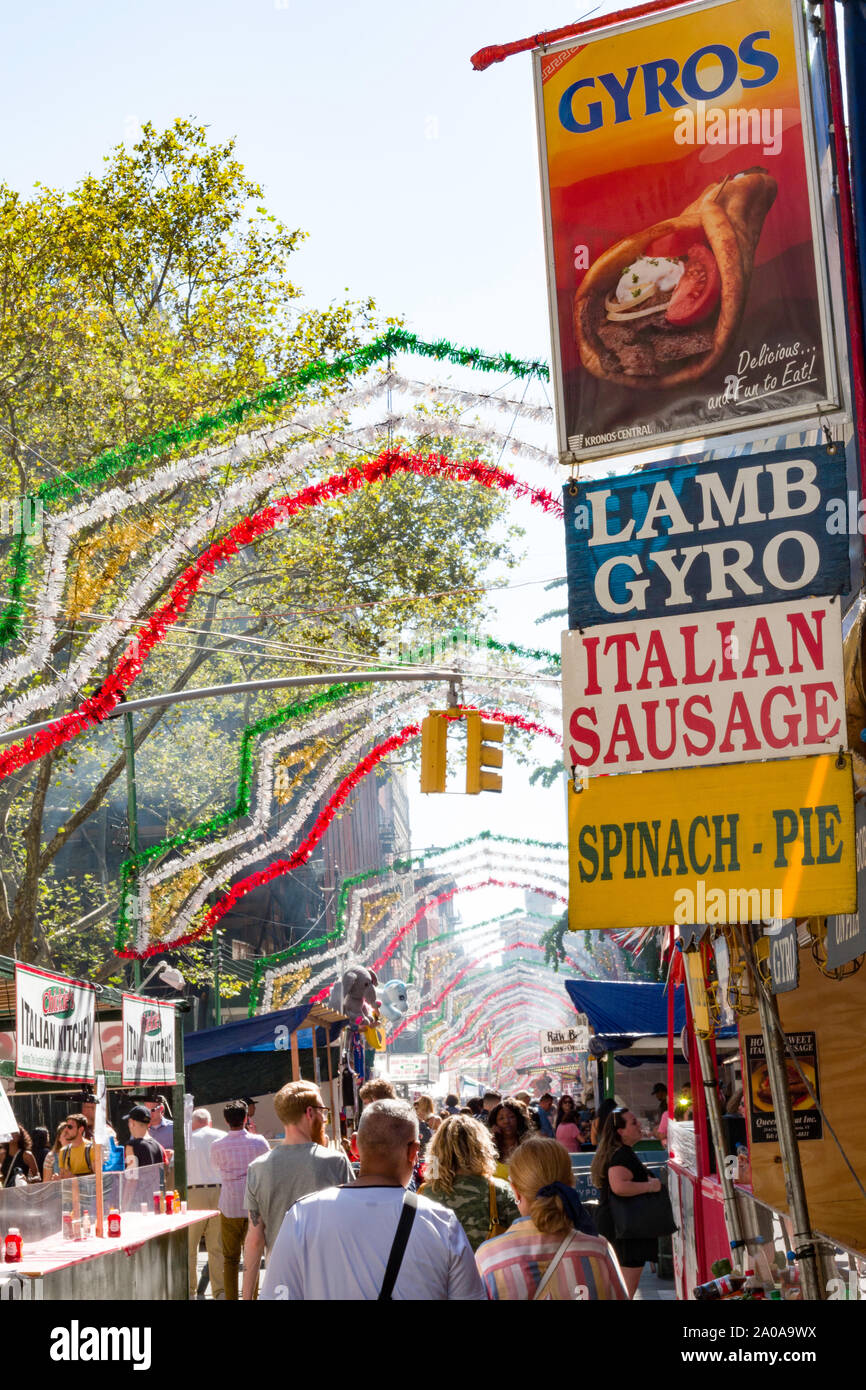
pixel 335 1244
pixel 203 1195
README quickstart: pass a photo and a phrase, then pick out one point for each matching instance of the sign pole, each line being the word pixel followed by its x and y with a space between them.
pixel 795 1190
pixel 714 1116
pixel 100 1199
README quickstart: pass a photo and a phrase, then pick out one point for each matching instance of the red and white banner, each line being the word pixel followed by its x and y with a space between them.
pixel 55 1020
pixel 714 688
pixel 148 1042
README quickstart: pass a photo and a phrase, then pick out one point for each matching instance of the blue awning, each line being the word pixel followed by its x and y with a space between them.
pixel 620 1007
pixel 265 1033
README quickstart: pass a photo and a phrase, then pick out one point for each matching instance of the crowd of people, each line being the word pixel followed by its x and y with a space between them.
pixel 479 1197
pixel 35 1158
pixel 427 1201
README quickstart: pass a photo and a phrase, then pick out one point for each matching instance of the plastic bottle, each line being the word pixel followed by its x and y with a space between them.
pixel 114 1223
pixel 724 1287
pixel 12 1246
pixel 791 1290
pixel 67 1225
pixel 753 1288
pixel 85 1225
pixel 176 1202
pixel 169 1203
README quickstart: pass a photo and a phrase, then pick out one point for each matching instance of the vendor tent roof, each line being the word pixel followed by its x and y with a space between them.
pixel 621 1007
pixel 265 1033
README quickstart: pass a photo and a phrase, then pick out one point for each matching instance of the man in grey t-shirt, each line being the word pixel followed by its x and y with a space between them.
pixel 298 1166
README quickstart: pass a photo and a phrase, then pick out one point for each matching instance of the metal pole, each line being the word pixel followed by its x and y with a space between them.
pixel 795 1190
pixel 210 692
pixel 131 809
pixel 217 1002
pixel 714 1117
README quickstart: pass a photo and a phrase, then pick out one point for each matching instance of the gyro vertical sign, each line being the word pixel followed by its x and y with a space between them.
pixel 686 260
pixel 148 1041
pixel 54 1026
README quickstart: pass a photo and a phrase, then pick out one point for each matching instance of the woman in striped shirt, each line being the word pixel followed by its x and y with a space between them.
pixel 547 1253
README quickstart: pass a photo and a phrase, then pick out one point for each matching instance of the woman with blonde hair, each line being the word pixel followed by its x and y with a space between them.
pixel 461 1161
pixel 549 1253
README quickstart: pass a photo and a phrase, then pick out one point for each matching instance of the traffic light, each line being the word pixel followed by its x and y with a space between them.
pixel 480 735
pixel 434 734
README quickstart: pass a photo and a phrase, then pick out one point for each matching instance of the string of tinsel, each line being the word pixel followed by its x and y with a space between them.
pixel 243 800
pixel 431 1025
pixel 300 856
pixel 459 637
pixel 465 970
pixel 461 931
pixel 175 436
pixel 446 897
pixel 449 1045
pixel 389 464
pixel 276 958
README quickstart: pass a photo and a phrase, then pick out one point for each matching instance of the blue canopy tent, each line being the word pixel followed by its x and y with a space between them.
pixel 255 1056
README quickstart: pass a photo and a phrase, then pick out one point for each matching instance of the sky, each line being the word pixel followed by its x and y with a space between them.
pixel 415 177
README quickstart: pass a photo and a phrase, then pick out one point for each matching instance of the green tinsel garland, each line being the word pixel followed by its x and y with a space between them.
pixel 176 436
pixel 460 931
pixel 457 636
pixel 265 963
pixel 299 710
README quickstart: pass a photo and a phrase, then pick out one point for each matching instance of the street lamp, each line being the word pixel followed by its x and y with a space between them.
pixel 171 977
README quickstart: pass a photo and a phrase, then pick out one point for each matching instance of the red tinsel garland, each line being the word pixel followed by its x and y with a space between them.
pixel 494 951
pixel 389 464
pixel 528 985
pixel 443 898
pixel 300 856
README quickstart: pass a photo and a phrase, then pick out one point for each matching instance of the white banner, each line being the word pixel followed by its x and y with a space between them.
pixel 728 687
pixel 562 1046
pixel 55 1020
pixel 148 1041
pixel 409 1066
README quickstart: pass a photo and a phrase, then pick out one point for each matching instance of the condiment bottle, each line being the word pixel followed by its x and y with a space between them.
pixel 114 1223
pixel 12 1246
pixel 724 1287
pixel 85 1225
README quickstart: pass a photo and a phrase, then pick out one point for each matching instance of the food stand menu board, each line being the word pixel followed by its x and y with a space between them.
pixel 55 1020
pixel 807 1118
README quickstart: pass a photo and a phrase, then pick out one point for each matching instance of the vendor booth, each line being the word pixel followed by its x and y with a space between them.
pixel 257 1056
pixel 96 1234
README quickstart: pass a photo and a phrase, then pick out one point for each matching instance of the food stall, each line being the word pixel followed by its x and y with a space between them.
pixel 103 1234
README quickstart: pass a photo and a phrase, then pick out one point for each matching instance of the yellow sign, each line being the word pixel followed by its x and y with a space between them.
pixel 741 843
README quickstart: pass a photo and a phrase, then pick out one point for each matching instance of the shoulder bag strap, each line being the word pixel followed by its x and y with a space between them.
pixel 494 1211
pixel 552 1267
pixel 398 1249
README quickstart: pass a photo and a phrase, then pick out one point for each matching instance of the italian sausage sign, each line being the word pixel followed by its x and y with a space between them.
pixel 685 252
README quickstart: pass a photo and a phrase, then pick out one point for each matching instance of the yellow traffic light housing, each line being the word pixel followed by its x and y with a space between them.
pixel 434 735
pixel 481 734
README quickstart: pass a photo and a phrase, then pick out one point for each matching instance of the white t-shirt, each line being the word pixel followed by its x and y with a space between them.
pixel 335 1244
pixel 200 1172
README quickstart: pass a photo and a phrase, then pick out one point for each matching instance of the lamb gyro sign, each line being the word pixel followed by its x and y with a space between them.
pixel 685 253
pixel 690 537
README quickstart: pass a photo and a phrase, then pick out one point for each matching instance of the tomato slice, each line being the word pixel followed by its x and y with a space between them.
pixel 698 291
pixel 675 244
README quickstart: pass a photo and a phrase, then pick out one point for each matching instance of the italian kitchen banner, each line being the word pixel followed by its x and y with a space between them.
pixel 726 687
pixel 148 1041
pixel 685 249
pixel 54 1026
